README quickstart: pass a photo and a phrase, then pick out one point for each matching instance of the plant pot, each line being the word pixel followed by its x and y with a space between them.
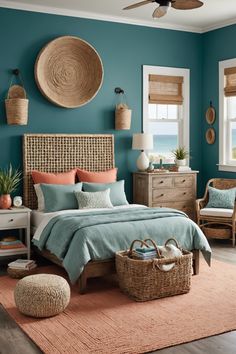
pixel 5 201
pixel 180 162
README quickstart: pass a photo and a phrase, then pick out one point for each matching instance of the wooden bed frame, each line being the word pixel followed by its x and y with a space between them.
pixel 63 152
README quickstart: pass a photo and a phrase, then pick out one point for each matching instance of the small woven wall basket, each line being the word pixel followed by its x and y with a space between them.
pixel 69 72
pixel 144 280
pixel 123 118
pixel 16 105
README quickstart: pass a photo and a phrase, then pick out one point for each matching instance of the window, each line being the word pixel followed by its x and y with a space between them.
pixel 166 109
pixel 227 96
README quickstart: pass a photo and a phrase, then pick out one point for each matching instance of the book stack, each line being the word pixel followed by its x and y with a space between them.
pixel 22 264
pixel 11 245
pixel 145 253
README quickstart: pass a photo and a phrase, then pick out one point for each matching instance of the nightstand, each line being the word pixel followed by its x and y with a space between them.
pixel 16 218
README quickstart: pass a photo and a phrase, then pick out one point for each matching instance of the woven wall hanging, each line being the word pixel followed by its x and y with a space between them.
pixel 69 72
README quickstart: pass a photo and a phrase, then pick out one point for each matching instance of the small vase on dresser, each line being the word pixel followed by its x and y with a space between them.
pixel 5 201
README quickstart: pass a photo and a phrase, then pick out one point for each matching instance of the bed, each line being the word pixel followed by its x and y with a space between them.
pixel 60 153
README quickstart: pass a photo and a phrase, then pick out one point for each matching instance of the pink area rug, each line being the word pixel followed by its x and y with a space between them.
pixel 105 321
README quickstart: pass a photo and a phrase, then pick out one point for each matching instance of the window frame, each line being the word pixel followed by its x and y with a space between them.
pixel 225 163
pixel 183 133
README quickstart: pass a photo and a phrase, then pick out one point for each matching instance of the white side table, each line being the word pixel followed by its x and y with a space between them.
pixel 16 218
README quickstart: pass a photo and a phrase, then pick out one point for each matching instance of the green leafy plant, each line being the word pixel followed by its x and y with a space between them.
pixel 9 180
pixel 180 153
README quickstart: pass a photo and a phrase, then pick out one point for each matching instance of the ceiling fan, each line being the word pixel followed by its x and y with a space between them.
pixel 165 4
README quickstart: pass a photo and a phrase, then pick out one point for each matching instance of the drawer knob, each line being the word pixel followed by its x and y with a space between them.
pixel 184 180
pixel 11 220
pixel 184 193
pixel 161 182
pixel 162 195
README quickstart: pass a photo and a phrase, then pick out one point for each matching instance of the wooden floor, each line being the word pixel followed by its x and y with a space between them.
pixel 12 339
pixel 221 344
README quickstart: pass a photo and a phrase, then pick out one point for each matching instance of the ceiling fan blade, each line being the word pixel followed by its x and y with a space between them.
pixel 159 12
pixel 145 2
pixel 186 4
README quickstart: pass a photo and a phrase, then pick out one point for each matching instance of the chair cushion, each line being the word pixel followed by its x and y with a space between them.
pixel 217 212
pixel 221 198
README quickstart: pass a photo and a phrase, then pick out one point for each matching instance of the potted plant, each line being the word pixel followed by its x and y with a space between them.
pixel 180 154
pixel 9 181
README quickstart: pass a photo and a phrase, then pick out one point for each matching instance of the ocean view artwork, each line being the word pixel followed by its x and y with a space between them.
pixel 163 146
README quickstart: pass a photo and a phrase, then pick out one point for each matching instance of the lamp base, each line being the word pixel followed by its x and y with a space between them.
pixel 142 162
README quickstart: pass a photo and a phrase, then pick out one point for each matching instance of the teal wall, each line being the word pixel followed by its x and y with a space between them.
pixel 123 49
pixel 218 45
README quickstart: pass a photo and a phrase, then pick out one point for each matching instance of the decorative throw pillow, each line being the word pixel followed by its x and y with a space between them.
pixel 54 178
pixel 221 198
pixel 117 193
pixel 40 197
pixel 89 200
pixel 108 176
pixel 59 196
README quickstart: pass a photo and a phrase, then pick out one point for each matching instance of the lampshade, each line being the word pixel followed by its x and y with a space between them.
pixel 142 141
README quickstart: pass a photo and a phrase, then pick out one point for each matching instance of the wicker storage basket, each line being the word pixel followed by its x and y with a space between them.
pixel 217 231
pixel 123 118
pixel 20 273
pixel 16 105
pixel 144 280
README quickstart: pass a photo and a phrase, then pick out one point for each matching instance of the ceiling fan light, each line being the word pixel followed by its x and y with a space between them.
pixel 160 11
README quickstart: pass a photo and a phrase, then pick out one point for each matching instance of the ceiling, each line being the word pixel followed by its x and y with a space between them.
pixel 214 14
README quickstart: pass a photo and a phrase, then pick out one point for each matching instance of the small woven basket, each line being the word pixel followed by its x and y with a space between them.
pixel 123 118
pixel 145 280
pixel 217 231
pixel 20 273
pixel 16 105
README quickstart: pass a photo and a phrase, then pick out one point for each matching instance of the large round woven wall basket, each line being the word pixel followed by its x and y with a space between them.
pixel 69 72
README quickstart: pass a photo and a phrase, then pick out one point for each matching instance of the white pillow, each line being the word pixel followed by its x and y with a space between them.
pixel 40 197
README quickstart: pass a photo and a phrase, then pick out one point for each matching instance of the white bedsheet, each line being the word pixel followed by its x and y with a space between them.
pixel 39 220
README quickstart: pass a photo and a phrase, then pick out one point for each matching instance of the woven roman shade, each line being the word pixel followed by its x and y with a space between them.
pixel 165 89
pixel 230 82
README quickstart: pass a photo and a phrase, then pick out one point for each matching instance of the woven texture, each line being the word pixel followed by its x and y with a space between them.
pixel 145 280
pixel 105 321
pixel 61 153
pixel 69 72
pixel 42 295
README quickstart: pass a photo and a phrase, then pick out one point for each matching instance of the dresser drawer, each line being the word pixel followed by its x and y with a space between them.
pixel 186 207
pixel 171 195
pixel 162 182
pixel 183 181
pixel 13 220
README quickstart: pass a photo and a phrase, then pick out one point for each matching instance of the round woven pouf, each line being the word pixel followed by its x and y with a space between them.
pixel 42 295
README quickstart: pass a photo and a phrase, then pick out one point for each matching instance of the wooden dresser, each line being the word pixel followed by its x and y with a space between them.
pixel 172 190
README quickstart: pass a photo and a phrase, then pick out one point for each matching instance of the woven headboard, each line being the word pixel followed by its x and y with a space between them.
pixel 61 153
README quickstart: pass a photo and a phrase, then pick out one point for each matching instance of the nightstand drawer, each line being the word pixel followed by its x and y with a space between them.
pixel 13 220
pixel 162 182
pixel 168 195
pixel 183 181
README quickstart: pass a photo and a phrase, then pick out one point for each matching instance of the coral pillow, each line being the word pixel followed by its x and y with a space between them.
pixel 108 176
pixel 54 178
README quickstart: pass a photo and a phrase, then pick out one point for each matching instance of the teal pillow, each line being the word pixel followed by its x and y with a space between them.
pixel 117 191
pixel 221 198
pixel 60 196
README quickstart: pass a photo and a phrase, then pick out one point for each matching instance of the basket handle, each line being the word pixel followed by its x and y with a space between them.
pixel 143 243
pixel 154 245
pixel 175 241
pixel 156 265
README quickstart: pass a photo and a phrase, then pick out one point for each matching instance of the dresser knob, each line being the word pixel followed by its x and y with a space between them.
pixel 184 180
pixel 184 193
pixel 11 220
pixel 161 182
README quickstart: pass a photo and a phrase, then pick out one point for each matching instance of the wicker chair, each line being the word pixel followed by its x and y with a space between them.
pixel 217 222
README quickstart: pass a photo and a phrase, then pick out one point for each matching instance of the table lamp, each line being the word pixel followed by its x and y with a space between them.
pixel 142 141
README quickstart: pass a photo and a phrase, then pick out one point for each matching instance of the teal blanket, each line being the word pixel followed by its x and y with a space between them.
pixel 78 238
